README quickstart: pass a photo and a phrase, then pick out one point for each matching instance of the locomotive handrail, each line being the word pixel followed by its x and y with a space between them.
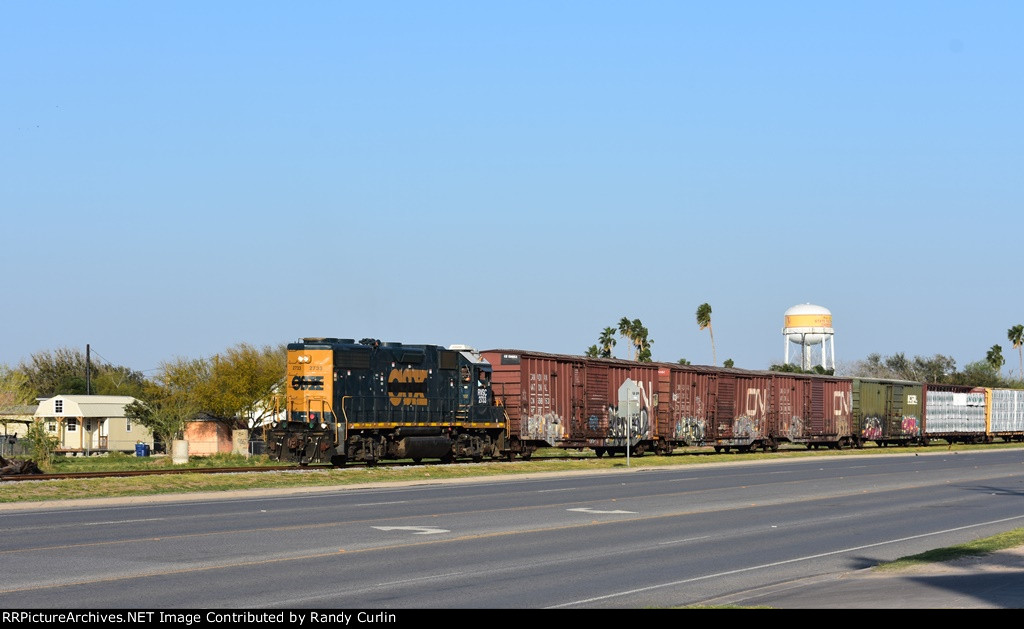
pixel 345 415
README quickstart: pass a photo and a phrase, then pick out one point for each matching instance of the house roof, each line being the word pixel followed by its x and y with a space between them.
pixel 18 410
pixel 84 406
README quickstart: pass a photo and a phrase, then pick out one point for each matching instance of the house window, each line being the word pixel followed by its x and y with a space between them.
pixel 72 425
pixel 127 425
pixel 58 406
pixel 88 425
pixel 51 426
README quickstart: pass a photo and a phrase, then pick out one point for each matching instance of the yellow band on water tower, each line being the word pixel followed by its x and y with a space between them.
pixel 809 321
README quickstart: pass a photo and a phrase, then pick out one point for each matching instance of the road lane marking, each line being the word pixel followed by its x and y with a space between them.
pixel 590 510
pixel 416 530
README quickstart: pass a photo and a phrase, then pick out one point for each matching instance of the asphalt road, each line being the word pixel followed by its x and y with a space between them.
pixel 705 534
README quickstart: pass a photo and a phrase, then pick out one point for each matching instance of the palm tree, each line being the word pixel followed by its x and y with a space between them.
pixel 607 341
pixel 1016 336
pixel 995 358
pixel 626 330
pixel 704 321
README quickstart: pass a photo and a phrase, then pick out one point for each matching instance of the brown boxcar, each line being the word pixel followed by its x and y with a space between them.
pixel 685 396
pixel 740 417
pixel 829 420
pixel 564 401
pixel 812 410
pixel 542 395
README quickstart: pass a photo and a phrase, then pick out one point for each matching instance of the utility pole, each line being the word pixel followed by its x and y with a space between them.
pixel 88 375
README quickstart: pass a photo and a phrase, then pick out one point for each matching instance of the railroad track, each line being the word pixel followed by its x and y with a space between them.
pixel 240 470
pixel 126 473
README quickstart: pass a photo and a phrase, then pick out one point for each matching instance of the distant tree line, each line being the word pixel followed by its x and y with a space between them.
pixel 238 387
pixel 938 369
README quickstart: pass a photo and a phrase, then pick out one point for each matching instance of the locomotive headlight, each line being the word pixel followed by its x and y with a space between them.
pixel 302 359
pixel 323 426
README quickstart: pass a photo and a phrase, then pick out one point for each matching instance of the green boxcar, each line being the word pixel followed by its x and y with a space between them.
pixel 887 411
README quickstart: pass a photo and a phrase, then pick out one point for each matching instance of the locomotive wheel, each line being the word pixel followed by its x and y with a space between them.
pixel 338 460
pixel 718 449
pixel 599 452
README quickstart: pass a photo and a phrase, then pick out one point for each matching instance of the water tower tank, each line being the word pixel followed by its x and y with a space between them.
pixel 807 323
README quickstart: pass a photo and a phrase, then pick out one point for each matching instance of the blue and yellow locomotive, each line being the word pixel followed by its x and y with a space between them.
pixel 372 401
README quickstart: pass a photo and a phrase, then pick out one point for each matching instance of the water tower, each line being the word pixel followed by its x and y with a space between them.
pixel 808 326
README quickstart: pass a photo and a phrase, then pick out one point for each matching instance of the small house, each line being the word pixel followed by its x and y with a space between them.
pixel 91 424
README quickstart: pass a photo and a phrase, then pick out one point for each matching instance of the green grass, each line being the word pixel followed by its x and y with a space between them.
pixel 118 462
pixel 1010 539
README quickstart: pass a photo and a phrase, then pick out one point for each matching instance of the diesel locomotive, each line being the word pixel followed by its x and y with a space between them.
pixel 371 401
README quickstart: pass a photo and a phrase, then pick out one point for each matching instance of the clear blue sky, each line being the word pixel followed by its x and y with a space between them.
pixel 179 177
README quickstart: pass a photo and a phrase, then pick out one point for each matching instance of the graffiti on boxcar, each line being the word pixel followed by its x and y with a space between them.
pixel 630 416
pixel 547 427
pixel 690 430
pixel 872 428
pixel 746 427
pixel 792 428
pixel 910 426
pixel 688 424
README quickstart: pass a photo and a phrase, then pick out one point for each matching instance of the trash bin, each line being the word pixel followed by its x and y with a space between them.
pixel 141 449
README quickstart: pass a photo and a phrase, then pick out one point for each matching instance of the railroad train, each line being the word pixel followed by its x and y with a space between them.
pixel 371 401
